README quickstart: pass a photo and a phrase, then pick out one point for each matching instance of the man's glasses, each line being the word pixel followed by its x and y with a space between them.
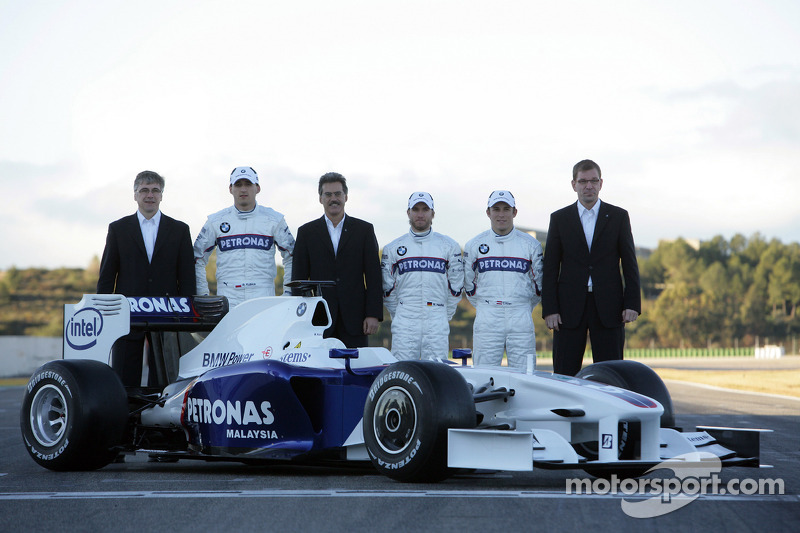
pixel 145 191
pixel 582 182
pixel 337 194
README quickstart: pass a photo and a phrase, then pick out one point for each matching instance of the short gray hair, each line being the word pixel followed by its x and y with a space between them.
pixel 148 176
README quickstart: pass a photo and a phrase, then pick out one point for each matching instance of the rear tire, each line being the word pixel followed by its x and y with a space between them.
pixel 74 413
pixel 408 411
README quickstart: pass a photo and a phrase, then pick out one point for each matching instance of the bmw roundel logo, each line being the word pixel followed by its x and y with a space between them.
pixel 301 309
pixel 402 250
pixel 224 227
pixel 483 248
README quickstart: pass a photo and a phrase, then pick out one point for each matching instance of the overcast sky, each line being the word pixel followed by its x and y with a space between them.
pixel 691 108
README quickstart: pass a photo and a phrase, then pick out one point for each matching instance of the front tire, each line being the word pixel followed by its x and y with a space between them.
pixel 636 377
pixel 73 414
pixel 633 376
pixel 408 411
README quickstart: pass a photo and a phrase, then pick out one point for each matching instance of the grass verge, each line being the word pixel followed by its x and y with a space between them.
pixel 783 382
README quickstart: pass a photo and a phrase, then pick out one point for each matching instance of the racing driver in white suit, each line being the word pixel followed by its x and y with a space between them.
pixel 503 280
pixel 423 275
pixel 245 236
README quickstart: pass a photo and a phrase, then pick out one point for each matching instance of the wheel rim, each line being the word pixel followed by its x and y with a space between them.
pixel 49 415
pixel 395 420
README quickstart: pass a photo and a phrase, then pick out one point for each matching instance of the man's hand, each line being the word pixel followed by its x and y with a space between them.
pixel 553 321
pixel 629 315
pixel 370 325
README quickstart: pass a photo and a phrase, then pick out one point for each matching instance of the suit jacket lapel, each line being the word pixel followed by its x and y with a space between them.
pixel 136 233
pixel 346 231
pixel 577 226
pixel 325 237
pixel 161 236
pixel 602 220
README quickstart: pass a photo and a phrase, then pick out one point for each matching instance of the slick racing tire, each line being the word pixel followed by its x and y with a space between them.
pixel 73 414
pixel 636 377
pixel 408 411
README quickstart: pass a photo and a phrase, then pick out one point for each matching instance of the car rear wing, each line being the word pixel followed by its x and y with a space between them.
pixel 93 325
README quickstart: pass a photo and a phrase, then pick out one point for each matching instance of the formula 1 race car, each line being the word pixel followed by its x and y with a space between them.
pixel 259 382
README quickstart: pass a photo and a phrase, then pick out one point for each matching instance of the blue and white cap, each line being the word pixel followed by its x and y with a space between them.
pixel 244 173
pixel 501 196
pixel 420 196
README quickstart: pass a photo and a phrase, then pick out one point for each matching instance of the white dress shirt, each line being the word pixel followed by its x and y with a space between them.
pixel 589 221
pixel 149 231
pixel 335 232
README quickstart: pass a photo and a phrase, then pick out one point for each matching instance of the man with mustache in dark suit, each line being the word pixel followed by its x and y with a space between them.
pixel 341 248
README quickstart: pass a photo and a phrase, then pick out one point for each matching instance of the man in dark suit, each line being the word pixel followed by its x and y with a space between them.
pixel 146 254
pixel 582 286
pixel 343 249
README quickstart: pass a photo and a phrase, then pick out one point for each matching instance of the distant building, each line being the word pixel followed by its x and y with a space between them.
pixel 692 243
pixel 643 253
pixel 538 234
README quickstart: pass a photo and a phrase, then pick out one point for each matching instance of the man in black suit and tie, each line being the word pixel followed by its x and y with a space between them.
pixel 146 254
pixel 582 286
pixel 343 249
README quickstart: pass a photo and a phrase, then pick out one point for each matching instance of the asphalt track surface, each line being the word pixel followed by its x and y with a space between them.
pixel 199 496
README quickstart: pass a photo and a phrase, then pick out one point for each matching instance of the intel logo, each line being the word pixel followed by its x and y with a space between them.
pixel 83 329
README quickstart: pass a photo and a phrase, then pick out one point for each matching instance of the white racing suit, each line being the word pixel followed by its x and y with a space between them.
pixel 245 243
pixel 503 280
pixel 422 282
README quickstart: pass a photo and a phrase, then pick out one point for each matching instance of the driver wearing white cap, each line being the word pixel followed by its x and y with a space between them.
pixel 245 236
pixel 423 274
pixel 503 280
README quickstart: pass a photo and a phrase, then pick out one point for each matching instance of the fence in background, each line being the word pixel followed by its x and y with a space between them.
pixel 765 352
pixel 21 355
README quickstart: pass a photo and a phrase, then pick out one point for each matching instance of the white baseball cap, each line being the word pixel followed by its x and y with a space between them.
pixel 501 196
pixel 420 196
pixel 244 173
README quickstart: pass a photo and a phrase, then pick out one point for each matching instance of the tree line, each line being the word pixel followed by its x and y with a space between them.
pixel 719 293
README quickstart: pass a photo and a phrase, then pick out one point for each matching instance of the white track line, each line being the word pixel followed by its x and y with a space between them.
pixel 345 493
